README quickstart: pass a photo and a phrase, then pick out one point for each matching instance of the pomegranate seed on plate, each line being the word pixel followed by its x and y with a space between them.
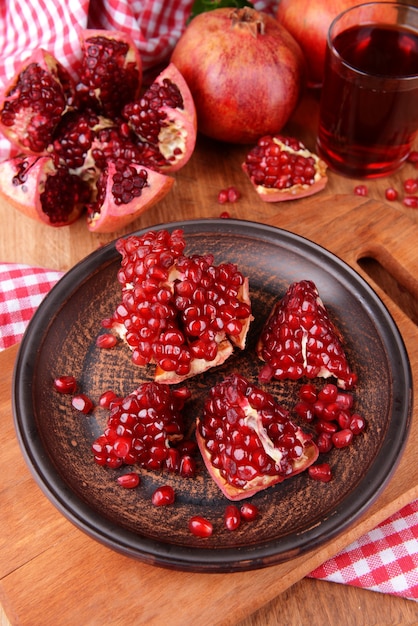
pixel 107 398
pixel 106 341
pixel 200 527
pixel 82 403
pixel 324 442
pixel 65 384
pixel 342 438
pixel 232 517
pixel 248 511
pixel 129 481
pixel 163 496
pixel 321 472
pixel 357 424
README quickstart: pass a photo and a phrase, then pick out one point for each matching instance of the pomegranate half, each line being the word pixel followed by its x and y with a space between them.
pixel 244 70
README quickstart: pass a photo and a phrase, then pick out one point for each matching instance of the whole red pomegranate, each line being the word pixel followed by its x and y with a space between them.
pixel 244 70
pixel 309 21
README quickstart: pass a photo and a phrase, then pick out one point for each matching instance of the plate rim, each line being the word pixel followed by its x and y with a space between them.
pixel 186 558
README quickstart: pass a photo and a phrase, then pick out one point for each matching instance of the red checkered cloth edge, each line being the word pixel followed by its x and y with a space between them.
pixel 384 559
pixel 154 25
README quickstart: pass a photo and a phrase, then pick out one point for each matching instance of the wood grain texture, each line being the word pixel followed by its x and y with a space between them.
pixel 51 573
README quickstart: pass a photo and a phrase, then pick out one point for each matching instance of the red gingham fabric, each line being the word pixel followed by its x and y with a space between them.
pixel 384 559
pixel 22 289
pixel 25 25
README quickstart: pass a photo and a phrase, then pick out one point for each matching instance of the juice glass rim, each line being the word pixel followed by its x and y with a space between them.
pixel 353 68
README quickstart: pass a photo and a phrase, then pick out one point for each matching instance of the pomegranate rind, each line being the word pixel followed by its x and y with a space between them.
pixel 28 122
pixel 307 310
pixel 234 400
pixel 25 196
pixel 110 217
pixel 294 191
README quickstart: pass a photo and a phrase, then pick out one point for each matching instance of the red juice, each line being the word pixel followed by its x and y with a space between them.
pixel 369 101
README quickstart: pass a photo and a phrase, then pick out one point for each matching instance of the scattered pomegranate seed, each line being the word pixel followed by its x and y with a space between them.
pixel 324 442
pixel 413 157
pixel 232 517
pixel 200 527
pixel 163 496
pixel 342 438
pixel 391 194
pixel 307 393
pixel 411 202
pixel 328 393
pixel 231 194
pixel 225 215
pixel 344 419
pixel 321 472
pixel 129 481
pixel 106 341
pixel 361 190
pixel 65 384
pixel 82 403
pixel 248 511
pixel 357 424
pixel 410 185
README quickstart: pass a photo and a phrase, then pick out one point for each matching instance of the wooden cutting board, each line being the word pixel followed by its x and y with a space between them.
pixel 51 573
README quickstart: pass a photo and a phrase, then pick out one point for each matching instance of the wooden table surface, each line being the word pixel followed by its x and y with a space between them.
pixel 379 240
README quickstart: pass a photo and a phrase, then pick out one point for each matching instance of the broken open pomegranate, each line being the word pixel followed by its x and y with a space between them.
pixel 282 168
pixel 248 441
pixel 299 339
pixel 92 129
pixel 182 313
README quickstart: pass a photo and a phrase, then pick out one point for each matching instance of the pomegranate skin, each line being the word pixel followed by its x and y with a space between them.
pixel 225 56
pixel 308 21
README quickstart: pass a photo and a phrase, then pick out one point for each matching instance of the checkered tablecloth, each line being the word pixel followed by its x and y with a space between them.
pixel 384 559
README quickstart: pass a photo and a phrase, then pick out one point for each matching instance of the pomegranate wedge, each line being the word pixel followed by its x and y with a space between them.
pixel 182 313
pixel 247 440
pixel 299 339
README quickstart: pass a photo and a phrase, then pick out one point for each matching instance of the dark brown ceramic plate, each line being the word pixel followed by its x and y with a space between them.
pixel 297 515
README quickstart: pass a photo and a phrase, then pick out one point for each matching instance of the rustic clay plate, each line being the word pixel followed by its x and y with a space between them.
pixel 295 516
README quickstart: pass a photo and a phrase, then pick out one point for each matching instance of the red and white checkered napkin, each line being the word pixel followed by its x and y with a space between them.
pixel 384 559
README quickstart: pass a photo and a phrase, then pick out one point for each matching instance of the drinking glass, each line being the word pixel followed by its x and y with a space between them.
pixel 369 100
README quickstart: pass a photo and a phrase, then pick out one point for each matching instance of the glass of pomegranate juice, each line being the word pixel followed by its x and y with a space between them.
pixel 369 99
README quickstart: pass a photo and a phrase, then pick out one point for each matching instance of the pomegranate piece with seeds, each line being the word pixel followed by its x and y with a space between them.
pixel 110 73
pixel 34 101
pixel 299 339
pixel 142 428
pixel 182 313
pixel 282 168
pixel 247 440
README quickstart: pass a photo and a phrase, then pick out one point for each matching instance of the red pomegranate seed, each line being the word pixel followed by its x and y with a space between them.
pixel 200 527
pixel 344 419
pixel 107 398
pixel 321 472
pixel 410 185
pixel 106 341
pixel 361 190
pixel 82 403
pixel 187 467
pixel 248 511
pixel 232 517
pixel 231 194
pixel 163 496
pixel 391 194
pixel 65 384
pixel 322 426
pixel 308 393
pixel 224 215
pixel 129 481
pixel 413 157
pixel 328 393
pixel 411 202
pixel 324 442
pixel 342 438
pixel 357 424
pixel 223 196
pixel 305 411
